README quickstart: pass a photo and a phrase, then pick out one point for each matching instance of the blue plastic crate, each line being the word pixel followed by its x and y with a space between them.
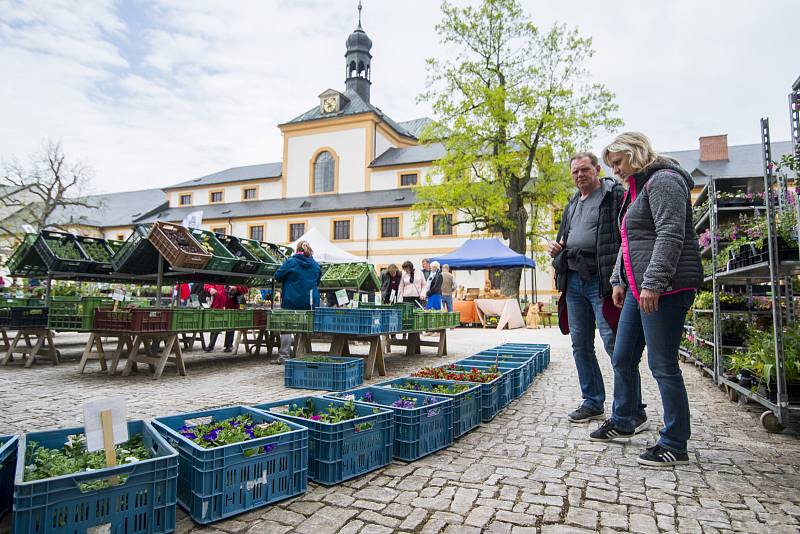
pixel 495 395
pixel 417 431
pixel 517 371
pixel 338 375
pixel 8 460
pixel 222 482
pixel 361 321
pixel 527 362
pixel 340 451
pixel 466 404
pixel 540 350
pixel 143 501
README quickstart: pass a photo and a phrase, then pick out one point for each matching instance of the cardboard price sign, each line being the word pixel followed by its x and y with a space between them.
pixel 106 425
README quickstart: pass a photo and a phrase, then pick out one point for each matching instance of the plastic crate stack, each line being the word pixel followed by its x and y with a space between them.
pixel 358 321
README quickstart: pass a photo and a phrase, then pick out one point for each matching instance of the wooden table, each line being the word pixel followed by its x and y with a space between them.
pixel 38 343
pixel 413 343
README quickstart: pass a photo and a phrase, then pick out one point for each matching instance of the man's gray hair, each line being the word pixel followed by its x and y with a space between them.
pixel 580 155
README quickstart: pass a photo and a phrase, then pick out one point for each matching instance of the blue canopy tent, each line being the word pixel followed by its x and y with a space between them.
pixel 478 254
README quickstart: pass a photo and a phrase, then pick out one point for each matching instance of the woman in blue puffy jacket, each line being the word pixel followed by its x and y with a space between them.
pixel 300 275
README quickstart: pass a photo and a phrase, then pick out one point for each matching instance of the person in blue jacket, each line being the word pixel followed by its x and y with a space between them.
pixel 300 275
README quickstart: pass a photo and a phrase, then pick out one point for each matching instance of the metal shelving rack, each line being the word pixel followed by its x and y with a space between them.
pixel 778 275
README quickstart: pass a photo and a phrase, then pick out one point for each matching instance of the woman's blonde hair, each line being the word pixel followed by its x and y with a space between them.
pixel 638 148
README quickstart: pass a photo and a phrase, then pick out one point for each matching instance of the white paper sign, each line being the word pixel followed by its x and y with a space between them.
pixel 193 219
pixel 94 428
pixel 341 297
pixel 118 295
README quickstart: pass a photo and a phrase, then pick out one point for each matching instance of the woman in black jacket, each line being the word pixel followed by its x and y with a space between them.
pixel 434 291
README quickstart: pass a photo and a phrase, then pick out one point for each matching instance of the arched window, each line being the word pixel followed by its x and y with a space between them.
pixel 324 173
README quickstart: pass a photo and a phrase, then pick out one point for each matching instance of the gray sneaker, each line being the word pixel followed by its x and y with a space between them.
pixel 584 414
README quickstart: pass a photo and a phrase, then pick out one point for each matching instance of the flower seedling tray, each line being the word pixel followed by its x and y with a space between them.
pixel 494 393
pixel 8 461
pixel 221 258
pixel 341 451
pixel 336 374
pixel 518 371
pixel 246 263
pixel 528 363
pixel 137 255
pixel 466 404
pixel 133 320
pixel 357 321
pixel 98 252
pixel 142 501
pixel 418 430
pixel 219 482
pixel 61 252
pixel 291 320
pixel 179 248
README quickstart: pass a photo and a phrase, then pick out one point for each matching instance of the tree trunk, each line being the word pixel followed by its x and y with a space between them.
pixel 509 283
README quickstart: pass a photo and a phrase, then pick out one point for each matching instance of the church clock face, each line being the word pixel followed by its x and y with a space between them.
pixel 329 104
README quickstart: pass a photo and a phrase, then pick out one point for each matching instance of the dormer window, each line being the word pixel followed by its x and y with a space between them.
pixel 331 102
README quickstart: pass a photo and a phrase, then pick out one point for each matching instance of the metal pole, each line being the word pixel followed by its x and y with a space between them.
pixel 47 289
pixel 159 279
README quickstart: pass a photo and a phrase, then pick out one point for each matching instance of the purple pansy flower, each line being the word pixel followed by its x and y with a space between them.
pixel 268 447
pixel 211 436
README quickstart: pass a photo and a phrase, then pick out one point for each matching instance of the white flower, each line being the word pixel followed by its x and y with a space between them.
pixel 131 459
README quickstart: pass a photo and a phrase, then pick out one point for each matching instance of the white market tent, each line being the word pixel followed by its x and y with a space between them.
pixel 324 250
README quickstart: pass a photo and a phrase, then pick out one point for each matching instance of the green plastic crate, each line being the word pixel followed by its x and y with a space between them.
pixel 25 261
pixel 269 264
pixel 242 318
pixel 218 320
pixel 89 305
pixel 221 259
pixel 66 313
pixel 186 319
pixel 291 321
pixel 350 275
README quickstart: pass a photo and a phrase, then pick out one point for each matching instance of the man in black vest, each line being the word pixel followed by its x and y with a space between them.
pixel 584 254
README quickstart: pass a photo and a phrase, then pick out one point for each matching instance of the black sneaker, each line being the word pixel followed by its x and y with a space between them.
pixel 608 432
pixel 642 424
pixel 658 456
pixel 585 414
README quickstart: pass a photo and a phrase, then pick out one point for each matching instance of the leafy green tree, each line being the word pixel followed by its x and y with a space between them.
pixel 510 108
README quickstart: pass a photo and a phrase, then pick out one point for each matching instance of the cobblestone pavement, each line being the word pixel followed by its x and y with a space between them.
pixel 529 470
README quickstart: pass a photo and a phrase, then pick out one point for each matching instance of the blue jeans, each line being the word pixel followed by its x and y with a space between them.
pixel 585 309
pixel 661 332
pixel 447 300
pixel 434 302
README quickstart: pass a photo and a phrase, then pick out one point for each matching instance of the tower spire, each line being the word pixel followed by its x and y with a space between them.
pixel 359 13
pixel 357 61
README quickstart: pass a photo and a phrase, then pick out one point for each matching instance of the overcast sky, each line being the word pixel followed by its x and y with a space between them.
pixel 154 92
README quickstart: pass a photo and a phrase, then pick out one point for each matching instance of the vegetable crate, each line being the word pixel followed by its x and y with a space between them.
pixel 143 501
pixel 357 321
pixel 334 374
pixel 133 320
pixel 419 430
pixel 88 306
pixel 269 264
pixel 24 317
pixel 260 318
pixel 221 258
pixel 98 252
pixel 25 261
pixel 350 275
pixel 223 481
pixel 466 404
pixel 291 320
pixel 178 247
pixel 186 319
pixel 340 451
pixel 242 318
pixel 137 255
pixel 517 370
pixel 246 263
pixel 61 252
pixel 8 460
pixel 65 313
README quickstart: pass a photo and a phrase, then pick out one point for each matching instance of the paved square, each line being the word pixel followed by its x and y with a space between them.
pixel 529 470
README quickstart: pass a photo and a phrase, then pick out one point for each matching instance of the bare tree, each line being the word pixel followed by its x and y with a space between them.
pixel 44 193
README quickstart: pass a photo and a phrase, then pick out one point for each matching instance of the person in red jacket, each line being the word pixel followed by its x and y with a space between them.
pixel 224 298
pixel 181 293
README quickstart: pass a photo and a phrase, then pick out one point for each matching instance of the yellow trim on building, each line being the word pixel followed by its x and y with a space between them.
pixel 232 183
pixel 247 188
pixel 289 224
pixel 183 194
pixel 399 226
pixel 334 220
pixel 400 174
pixel 211 193
pixel 313 159
pixel 263 227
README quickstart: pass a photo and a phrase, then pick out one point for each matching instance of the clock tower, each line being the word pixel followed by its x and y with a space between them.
pixel 357 61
